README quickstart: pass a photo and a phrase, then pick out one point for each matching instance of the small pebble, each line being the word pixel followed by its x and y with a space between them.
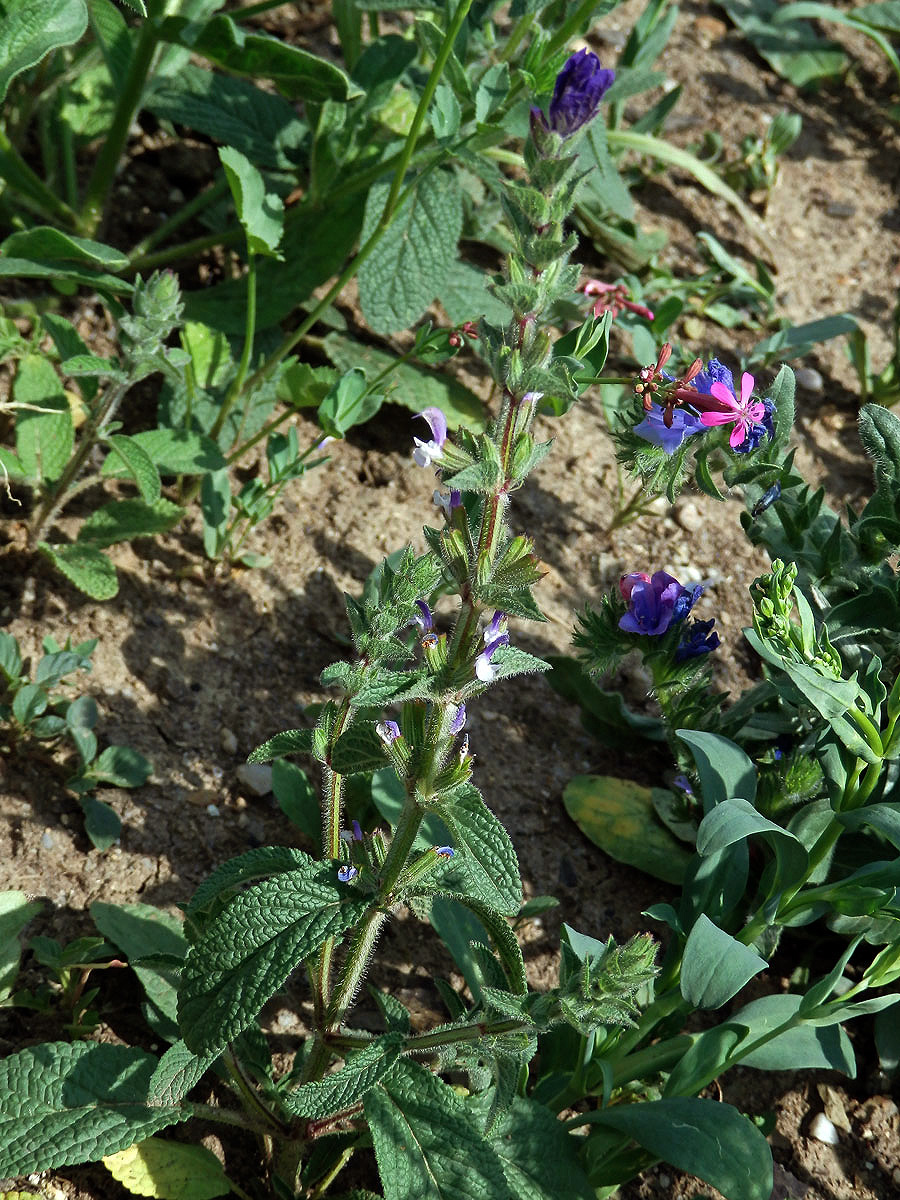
pixel 823 1131
pixel 200 797
pixel 228 740
pixel 665 1181
pixel 895 1175
pixel 809 379
pixel 212 810
pixel 255 776
pixel 840 210
pixel 688 516
pixel 47 840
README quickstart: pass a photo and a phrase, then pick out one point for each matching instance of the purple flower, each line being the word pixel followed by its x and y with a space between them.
pixel 388 731
pixel 580 86
pixel 683 784
pixel 655 603
pixel 447 501
pixel 425 453
pixel 423 618
pixel 653 428
pixel 767 499
pixel 352 835
pixel 345 874
pixel 697 639
pixel 445 851
pixel 459 720
pixel 495 636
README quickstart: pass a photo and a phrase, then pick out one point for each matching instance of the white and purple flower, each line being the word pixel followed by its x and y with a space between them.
pixel 425 453
pixel 495 636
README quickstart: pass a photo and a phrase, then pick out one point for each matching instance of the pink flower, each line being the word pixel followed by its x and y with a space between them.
pixel 741 412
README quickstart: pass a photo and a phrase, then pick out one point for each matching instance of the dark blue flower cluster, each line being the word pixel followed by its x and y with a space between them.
pixel 580 87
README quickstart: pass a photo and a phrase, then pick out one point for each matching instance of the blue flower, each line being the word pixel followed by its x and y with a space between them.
pixel 425 453
pixel 713 372
pixel 423 617
pixel 445 851
pixel 580 87
pixel 698 639
pixel 654 604
pixel 654 429
pixel 345 874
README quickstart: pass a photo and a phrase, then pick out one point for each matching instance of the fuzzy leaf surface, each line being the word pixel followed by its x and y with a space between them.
pixel 63 1103
pixel 486 856
pixel 428 1147
pixel 412 260
pixel 539 1157
pixel 45 434
pixel 122 520
pixel 30 31
pixel 87 567
pixel 247 951
pixel 348 1085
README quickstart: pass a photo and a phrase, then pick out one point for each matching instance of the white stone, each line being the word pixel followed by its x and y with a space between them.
pixel 227 740
pixel 824 1131
pixel 257 777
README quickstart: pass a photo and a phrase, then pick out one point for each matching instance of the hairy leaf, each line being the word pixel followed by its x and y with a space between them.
pixel 348 1085
pixel 63 1103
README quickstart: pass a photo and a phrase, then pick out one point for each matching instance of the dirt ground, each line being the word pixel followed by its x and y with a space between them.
pixel 183 663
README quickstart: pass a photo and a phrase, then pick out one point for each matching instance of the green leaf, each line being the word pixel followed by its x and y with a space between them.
pixel 604 714
pixel 143 932
pixel 409 265
pixel 168 1170
pixel 724 768
pixel 101 823
pixel 291 741
pixel 348 402
pixel 701 1137
pixel 297 798
pixel 178 1072
pixel 734 820
pixel 358 749
pixel 715 966
pixel 44 244
pixel 261 213
pixel 27 268
pixel 122 520
pixel 255 864
pixel 445 112
pixel 282 286
pixel 138 464
pixel 247 951
pixel 173 452
pixel 44 439
pixel 794 51
pixel 122 766
pixel 263 126
pixel 486 856
pixel 63 1103
pixel 10 656
pixel 457 927
pixel 28 32
pixel 296 73
pixel 465 297
pixel 85 566
pixel 350 1084
pixel 803 1047
pixel 16 910
pixel 412 386
pixel 427 1145
pixel 539 1157
pixel 619 817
